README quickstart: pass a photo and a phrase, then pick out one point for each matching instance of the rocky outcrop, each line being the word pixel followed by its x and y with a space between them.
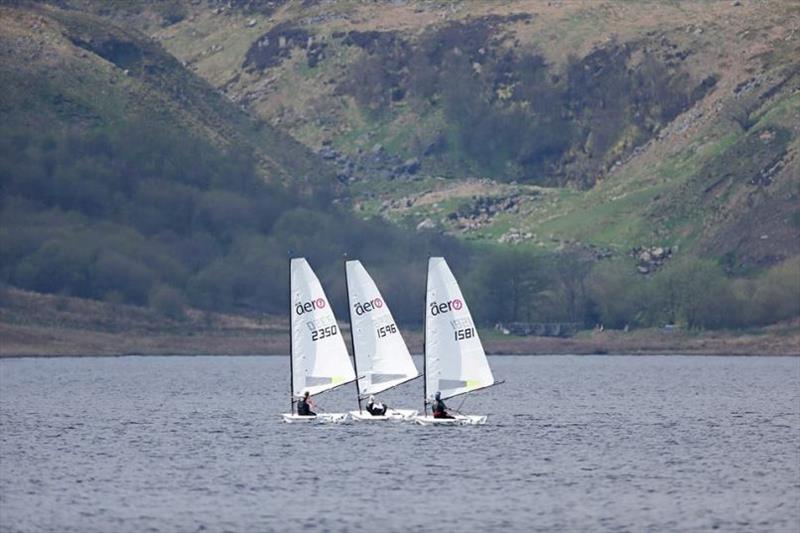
pixel 275 46
pixel 651 258
pixel 515 236
pixel 375 163
pixel 483 209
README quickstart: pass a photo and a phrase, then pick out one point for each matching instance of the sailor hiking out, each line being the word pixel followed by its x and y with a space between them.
pixel 439 408
pixel 376 408
pixel 304 405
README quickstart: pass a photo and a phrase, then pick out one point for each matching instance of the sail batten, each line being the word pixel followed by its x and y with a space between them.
pixel 381 354
pixel 454 356
pixel 320 361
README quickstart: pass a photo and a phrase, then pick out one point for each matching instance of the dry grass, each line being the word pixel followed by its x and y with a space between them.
pixel 33 324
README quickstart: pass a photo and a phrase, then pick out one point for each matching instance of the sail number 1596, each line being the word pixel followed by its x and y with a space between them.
pixel 385 330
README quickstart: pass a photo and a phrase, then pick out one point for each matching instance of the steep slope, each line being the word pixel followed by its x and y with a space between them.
pixel 670 124
pixel 126 178
pixel 551 137
pixel 72 68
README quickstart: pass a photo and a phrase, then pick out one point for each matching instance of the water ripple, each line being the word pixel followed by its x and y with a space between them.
pixel 573 444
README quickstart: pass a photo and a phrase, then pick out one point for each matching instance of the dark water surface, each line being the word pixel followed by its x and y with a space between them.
pixel 182 444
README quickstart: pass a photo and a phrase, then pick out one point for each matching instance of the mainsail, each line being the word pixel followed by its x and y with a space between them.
pixel 454 357
pixel 381 355
pixel 319 357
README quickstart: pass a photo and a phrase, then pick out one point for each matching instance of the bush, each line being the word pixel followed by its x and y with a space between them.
pixel 775 295
pixel 507 286
pixel 167 301
pixel 618 294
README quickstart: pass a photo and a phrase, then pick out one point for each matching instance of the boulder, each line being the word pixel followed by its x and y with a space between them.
pixel 328 153
pixel 426 224
pixel 411 166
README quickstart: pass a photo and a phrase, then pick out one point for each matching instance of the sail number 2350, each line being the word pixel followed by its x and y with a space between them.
pixel 319 334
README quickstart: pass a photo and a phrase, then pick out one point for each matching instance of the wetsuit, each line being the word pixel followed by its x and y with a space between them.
pixel 374 410
pixel 303 409
pixel 440 410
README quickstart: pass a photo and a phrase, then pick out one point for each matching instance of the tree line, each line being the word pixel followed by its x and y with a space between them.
pixel 696 293
pixel 127 214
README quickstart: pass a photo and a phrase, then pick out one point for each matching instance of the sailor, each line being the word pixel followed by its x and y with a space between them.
pixel 304 406
pixel 439 408
pixel 376 409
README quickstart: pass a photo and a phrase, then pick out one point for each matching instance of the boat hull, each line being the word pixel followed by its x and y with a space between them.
pixel 322 418
pixel 391 414
pixel 459 420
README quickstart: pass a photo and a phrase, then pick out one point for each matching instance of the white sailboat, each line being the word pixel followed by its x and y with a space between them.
pixel 382 360
pixel 318 357
pixel 455 362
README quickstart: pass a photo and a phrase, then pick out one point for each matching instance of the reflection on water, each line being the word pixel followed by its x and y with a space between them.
pixel 573 443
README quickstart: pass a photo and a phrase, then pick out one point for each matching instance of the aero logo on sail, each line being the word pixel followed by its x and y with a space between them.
pixel 452 305
pixel 360 308
pixel 307 307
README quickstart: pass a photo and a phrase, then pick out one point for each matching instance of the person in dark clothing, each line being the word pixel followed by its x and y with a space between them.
pixel 376 409
pixel 304 406
pixel 439 408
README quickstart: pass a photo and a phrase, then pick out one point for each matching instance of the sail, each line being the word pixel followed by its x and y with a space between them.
pixel 382 358
pixel 454 357
pixel 319 357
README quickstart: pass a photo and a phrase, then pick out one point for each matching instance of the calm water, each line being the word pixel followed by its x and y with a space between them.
pixel 605 443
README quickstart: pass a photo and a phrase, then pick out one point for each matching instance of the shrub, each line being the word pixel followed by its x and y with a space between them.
pixel 167 301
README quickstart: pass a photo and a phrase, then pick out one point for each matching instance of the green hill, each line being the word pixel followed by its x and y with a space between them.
pixel 126 178
pixel 70 68
pixel 624 162
pixel 666 124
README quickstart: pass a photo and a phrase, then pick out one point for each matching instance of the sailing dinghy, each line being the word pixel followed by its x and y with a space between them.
pixel 455 362
pixel 318 357
pixel 381 357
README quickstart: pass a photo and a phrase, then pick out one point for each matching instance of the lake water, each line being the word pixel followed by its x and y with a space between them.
pixel 597 443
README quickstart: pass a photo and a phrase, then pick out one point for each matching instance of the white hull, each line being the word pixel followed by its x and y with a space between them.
pixel 322 418
pixel 391 414
pixel 459 420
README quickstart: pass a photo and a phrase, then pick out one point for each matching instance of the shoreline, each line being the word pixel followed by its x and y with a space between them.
pixel 38 325
pixel 6 357
pixel 37 341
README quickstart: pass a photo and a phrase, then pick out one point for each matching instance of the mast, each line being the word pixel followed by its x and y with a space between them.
pixel 352 333
pixel 291 341
pixel 425 344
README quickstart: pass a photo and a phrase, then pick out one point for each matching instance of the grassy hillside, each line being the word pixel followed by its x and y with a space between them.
pixel 641 109
pixel 623 162
pixel 126 178
pixel 73 68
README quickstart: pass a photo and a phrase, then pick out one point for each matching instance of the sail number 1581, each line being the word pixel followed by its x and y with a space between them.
pixel 463 334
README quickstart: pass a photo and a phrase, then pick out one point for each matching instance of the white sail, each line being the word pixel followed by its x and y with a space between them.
pixel 382 358
pixel 319 357
pixel 454 357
